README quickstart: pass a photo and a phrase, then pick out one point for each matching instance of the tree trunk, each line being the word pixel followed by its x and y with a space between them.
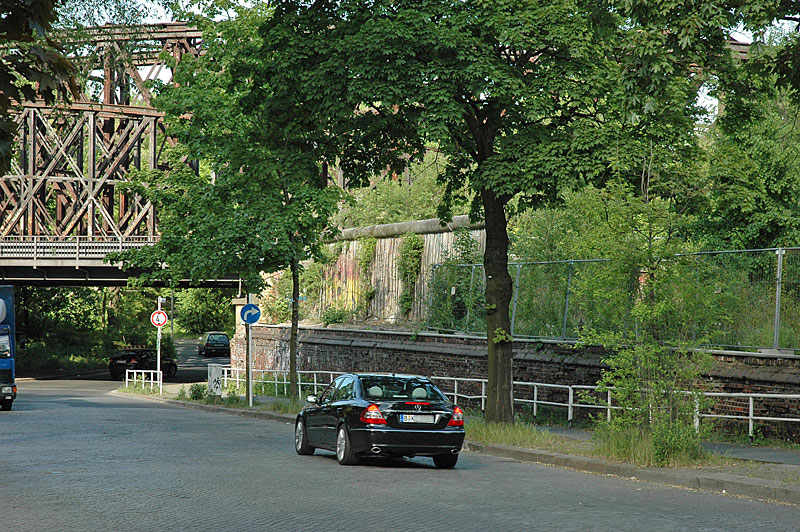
pixel 499 288
pixel 295 269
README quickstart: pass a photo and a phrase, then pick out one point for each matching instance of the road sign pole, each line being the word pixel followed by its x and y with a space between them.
pixel 249 356
pixel 158 342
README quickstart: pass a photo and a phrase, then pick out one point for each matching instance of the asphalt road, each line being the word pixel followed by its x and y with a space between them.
pixel 75 456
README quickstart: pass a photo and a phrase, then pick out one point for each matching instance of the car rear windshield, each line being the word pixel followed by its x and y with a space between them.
pixel 389 387
pixel 217 339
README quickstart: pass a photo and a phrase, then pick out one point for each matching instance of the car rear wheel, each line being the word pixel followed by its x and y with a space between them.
pixel 300 440
pixel 445 461
pixel 344 451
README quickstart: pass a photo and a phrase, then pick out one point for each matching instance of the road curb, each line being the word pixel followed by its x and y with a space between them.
pixel 241 412
pixel 723 483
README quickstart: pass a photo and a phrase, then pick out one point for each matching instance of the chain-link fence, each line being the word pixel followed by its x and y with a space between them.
pixel 730 299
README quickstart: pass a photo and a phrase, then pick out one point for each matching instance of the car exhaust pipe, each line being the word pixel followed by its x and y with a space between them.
pixel 376 450
pixel 454 451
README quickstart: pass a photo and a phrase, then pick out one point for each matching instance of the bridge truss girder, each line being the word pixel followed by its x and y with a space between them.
pixel 73 160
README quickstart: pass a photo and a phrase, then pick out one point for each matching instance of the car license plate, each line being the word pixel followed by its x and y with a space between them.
pixel 416 418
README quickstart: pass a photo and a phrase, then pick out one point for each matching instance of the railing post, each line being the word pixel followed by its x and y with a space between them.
pixel 778 281
pixel 315 383
pixel 608 413
pixel 750 420
pixel 455 391
pixel 696 414
pixel 569 407
pixel 483 397
pixel 535 401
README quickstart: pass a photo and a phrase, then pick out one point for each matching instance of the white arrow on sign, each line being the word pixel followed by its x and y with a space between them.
pixel 250 312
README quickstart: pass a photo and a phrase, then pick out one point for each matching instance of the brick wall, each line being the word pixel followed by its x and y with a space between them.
pixel 547 362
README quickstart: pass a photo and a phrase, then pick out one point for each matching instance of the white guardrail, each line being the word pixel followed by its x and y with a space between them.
pixel 145 377
pixel 459 386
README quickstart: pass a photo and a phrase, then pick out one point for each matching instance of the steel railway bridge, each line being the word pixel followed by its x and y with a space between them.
pixel 61 206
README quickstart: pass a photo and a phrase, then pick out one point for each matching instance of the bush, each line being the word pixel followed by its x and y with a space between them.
pixel 335 315
pixel 198 391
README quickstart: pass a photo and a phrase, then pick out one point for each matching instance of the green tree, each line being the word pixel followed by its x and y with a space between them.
pixel 202 309
pixel 512 93
pixel 31 65
pixel 265 206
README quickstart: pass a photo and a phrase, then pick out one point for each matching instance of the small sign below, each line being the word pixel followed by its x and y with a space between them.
pixel 158 318
pixel 250 313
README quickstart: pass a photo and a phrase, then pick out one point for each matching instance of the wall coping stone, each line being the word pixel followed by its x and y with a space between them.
pixel 517 341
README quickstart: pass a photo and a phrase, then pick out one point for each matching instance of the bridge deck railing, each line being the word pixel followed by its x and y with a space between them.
pixel 69 247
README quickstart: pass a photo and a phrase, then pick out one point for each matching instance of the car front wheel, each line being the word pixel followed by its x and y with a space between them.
pixel 300 440
pixel 445 461
pixel 6 405
pixel 344 451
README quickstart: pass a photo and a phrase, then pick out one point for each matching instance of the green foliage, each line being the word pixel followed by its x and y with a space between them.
pixel 277 309
pixel 655 384
pixel 336 314
pixel 501 336
pixel 366 254
pixel 395 200
pixel 202 309
pixel 755 155
pixel 265 206
pixel 458 288
pixel 198 391
pixel 409 263
pixel 182 396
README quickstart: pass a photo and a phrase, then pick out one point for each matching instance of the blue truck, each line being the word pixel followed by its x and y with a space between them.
pixel 8 348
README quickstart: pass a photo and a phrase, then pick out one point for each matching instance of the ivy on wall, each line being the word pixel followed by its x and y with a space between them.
pixel 409 265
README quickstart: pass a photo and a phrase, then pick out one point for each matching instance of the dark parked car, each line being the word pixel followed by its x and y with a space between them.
pixel 126 359
pixel 381 415
pixel 214 344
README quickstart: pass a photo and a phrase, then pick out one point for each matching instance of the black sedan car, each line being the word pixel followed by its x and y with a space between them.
pixel 214 344
pixel 381 415
pixel 126 359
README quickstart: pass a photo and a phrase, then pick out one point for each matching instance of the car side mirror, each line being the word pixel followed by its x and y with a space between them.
pixel 313 399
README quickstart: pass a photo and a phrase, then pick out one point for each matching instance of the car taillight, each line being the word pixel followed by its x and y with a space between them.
pixel 134 361
pixel 458 418
pixel 372 414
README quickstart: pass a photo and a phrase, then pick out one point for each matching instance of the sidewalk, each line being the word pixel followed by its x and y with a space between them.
pixel 758 472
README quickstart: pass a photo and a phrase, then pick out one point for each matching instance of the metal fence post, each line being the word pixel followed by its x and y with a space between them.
pixel 697 414
pixel 455 391
pixel 535 401
pixel 566 302
pixel 608 414
pixel 430 300
pixel 778 278
pixel 516 298
pixel 483 397
pixel 569 411
pixel 471 299
pixel 750 420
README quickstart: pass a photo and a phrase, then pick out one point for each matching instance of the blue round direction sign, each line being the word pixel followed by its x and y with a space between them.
pixel 250 313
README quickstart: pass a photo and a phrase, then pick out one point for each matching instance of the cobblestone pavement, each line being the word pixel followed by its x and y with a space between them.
pixel 74 457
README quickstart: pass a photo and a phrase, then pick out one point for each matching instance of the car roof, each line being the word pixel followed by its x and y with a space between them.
pixel 216 332
pixel 395 375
